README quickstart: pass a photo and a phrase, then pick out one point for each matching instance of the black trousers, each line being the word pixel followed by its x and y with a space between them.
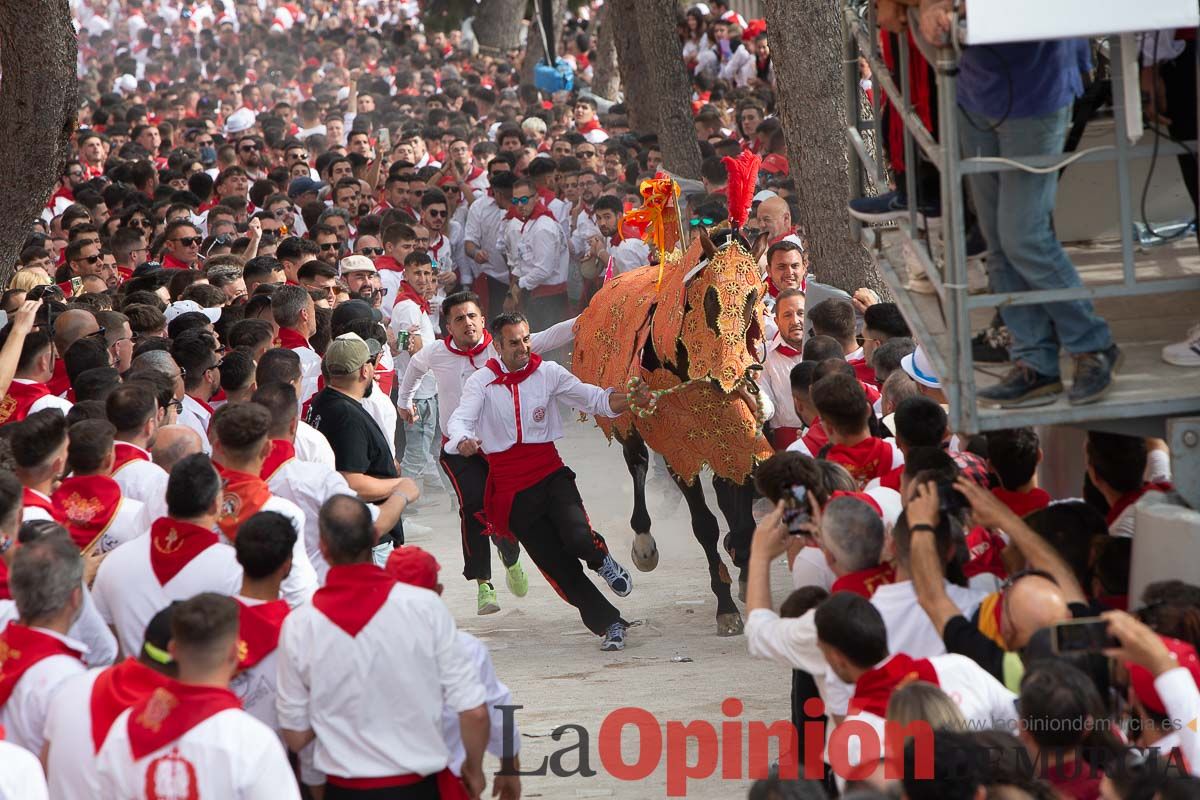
pixel 425 790
pixel 545 311
pixel 549 521
pixel 1179 82
pixel 497 290
pixel 468 476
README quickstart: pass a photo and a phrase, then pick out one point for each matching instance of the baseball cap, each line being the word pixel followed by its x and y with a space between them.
pixel 356 264
pixel 180 307
pixel 414 566
pixel 301 185
pixel 919 368
pixel 239 121
pixel 158 635
pixel 1141 680
pixel 351 310
pixel 347 353
pixel 764 194
pixel 146 268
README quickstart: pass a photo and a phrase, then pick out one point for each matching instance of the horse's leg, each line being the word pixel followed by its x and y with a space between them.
pixel 707 532
pixel 736 501
pixel 637 459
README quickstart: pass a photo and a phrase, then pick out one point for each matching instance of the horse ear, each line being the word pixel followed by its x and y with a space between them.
pixel 706 244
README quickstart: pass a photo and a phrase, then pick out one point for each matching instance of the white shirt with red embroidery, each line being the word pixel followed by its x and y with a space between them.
pixel 36 512
pixel 46 401
pixel 395 727
pixel 528 413
pixel 196 417
pixel 231 755
pixel 776 381
pixel 71 759
pixel 255 686
pixel 144 481
pixel 23 715
pixel 21 774
pixel 536 251
pixel 128 593
pixel 301 582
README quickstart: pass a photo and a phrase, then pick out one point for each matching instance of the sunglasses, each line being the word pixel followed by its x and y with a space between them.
pixel 88 259
pixel 371 251
pixel 433 212
pixel 190 241
pixel 177 405
pixel 96 334
pixel 586 154
pixel 204 143
pixel 137 223
pixel 250 148
pixel 520 201
pixel 330 246
pixel 698 221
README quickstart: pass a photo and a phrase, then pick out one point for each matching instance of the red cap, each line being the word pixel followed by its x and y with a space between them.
pixel 775 163
pixel 414 566
pixel 753 28
pixel 1141 681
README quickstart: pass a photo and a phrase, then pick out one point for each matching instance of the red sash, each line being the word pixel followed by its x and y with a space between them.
pixel 1129 498
pixel 242 495
pixel 869 459
pixel 282 451
pixel 511 472
pixel 449 785
pixel 116 689
pixel 474 351
pixel 15 405
pixel 170 711
pixel 127 453
pixel 864 582
pixel 407 292
pixel 1022 503
pixel 32 499
pixel 89 504
pixel 293 340
pixel 353 594
pixel 22 647
pixel 259 630
pixel 875 686
pixel 174 543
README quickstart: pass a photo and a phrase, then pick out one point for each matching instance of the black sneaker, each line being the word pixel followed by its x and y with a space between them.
pixel 614 637
pixel 1022 387
pixel 990 345
pixel 1094 375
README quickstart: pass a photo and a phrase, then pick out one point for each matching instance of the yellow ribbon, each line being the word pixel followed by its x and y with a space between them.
pixel 657 195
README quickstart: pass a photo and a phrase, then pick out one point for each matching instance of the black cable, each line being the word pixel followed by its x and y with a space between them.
pixel 1158 133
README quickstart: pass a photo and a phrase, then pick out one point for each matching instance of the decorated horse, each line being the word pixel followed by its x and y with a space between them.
pixel 689 328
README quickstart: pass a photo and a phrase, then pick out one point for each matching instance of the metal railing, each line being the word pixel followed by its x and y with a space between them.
pixel 948 275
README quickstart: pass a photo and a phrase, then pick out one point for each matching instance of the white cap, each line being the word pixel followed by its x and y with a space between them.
pixel 889 502
pixel 126 84
pixel 343 93
pixel 918 367
pixel 180 307
pixel 356 264
pixel 765 194
pixel 240 120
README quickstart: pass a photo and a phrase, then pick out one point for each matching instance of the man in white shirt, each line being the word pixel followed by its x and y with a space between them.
pixel 195 351
pixel 783 352
pixel 329 651
pixel 510 411
pixel 133 410
pixel 623 254
pixel 413 328
pixel 180 557
pixel 46 582
pixel 537 255
pixel 484 235
pixel 435 214
pixel 191 738
pixel 296 315
pixel 30 390
pixel 39 448
pixel 280 365
pixel 94 509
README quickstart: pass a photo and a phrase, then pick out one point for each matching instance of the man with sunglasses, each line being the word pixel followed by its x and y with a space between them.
pixel 328 242
pixel 249 155
pixel 181 246
pixel 435 213
pixel 538 258
pixel 73 176
pixel 83 259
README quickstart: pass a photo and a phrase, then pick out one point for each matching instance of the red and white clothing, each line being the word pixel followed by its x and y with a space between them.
pixel 331 649
pixel 537 253
pixel 96 513
pixel 175 561
pixel 485 229
pixel 193 741
pixel 310 361
pixel 391 272
pixel 867 460
pixel 196 414
pixel 410 312
pixel 36 662
pixel 254 683
pixel 440 250
pixel 26 397
pixel 592 131
pixel 39 506
pixel 776 381
pixel 862 370
pixel 497 695
pixel 141 479
pixel 1178 692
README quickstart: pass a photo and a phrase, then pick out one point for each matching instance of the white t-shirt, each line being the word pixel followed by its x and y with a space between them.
pixel 71 759
pixel 21 775
pixel 23 715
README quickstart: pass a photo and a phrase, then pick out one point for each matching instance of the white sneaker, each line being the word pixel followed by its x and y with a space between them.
pixel 1185 353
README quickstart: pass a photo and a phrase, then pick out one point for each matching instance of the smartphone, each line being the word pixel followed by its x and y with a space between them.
pixel 795 512
pixel 1086 635
pixel 76 285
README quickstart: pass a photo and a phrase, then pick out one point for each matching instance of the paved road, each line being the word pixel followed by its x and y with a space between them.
pixel 674 666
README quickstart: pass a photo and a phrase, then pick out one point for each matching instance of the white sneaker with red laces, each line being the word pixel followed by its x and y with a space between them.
pixel 1185 353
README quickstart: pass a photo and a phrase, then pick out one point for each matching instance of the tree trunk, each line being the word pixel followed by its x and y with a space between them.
pixel 672 90
pixel 606 80
pixel 498 25
pixel 640 108
pixel 37 113
pixel 535 53
pixel 811 104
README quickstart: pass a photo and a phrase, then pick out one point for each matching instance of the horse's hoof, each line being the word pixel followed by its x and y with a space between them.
pixel 729 624
pixel 644 552
pixel 742 590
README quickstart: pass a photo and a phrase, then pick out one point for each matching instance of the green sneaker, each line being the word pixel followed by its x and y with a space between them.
pixel 487 600
pixel 517 580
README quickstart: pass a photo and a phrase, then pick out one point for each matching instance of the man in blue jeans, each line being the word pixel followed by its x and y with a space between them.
pixel 1015 100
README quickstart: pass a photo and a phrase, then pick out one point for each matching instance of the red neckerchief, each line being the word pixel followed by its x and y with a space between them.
pixel 434 250
pixel 1129 498
pixel 984 548
pixel 875 686
pixel 203 404
pixel 783 236
pixel 242 495
pixel 891 480
pixel 174 543
pixel 515 377
pixel 784 349
pixel 90 504
pixel 547 196
pixel 474 351
pixel 22 647
pixel 63 192
pixel 388 264
pixel 171 262
pixel 59 381
pixel 407 292
pixel 1022 503
pixel 32 499
pixel 539 210
pixel 591 125
pixel 815 437
pixel 20 397
pixel 772 289
pixel 170 711
pixel 864 582
pixel 353 594
pixel 124 273
pixel 869 459
pixel 282 451
pixel 258 634
pixel 116 689
pixel 293 339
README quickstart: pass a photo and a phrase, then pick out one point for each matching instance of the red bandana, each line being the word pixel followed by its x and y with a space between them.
pixel 1022 503
pixel 1129 498
pixel 864 582
pixel 474 351
pixel 259 631
pixel 517 376
pixel 204 404
pixel 388 264
pixel 242 495
pixel 22 647
pixel 282 451
pixel 772 289
pixel 116 689
pixel 875 686
pixel 539 210
pixel 32 499
pixel 127 453
pixel 353 594
pixel 292 339
pixel 591 125
pixel 173 544
pixel 786 350
pixel 170 711
pixel 89 504
pixel 407 292
pixel 20 397
pixel 869 459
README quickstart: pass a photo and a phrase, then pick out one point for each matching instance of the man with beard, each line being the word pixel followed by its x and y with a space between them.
pixel 609 245
pixel 783 352
pixel 435 213
pixel 537 256
pixel 328 241
pixel 133 410
pixel 249 155
pixel 361 279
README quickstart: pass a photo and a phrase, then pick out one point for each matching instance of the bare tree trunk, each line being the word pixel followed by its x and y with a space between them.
pixel 534 51
pixel 672 90
pixel 37 113
pixel 498 25
pixel 606 80
pixel 635 79
pixel 810 88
